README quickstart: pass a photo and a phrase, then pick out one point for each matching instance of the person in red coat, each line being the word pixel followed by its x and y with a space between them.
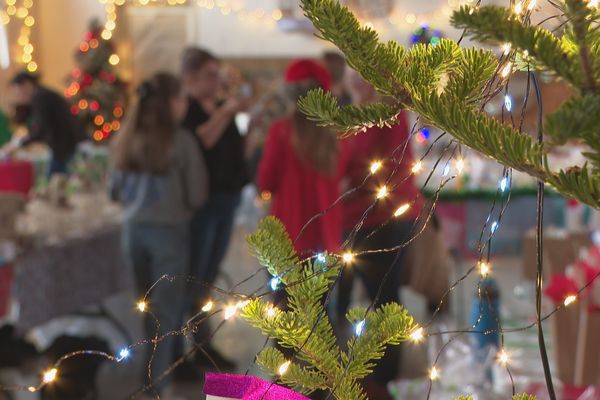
pixel 302 165
pixel 391 202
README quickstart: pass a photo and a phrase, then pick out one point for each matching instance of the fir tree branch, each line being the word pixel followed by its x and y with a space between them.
pixel 580 20
pixel 498 25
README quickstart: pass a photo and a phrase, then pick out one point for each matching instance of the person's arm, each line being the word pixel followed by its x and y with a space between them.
pixel 211 131
pixel 40 126
pixel 269 170
pixel 195 175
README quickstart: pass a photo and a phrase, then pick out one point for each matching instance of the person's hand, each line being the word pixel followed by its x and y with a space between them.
pixel 235 105
pixel 232 106
pixel 8 151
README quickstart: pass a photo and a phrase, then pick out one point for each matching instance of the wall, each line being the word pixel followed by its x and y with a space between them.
pixel 230 37
pixel 60 27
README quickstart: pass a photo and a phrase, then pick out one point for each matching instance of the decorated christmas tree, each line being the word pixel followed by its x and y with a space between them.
pixel 319 364
pixel 95 91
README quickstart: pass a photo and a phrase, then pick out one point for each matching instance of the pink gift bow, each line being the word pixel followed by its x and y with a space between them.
pixel 246 388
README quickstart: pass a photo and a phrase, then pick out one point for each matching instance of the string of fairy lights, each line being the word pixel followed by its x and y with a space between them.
pixel 20 12
pixel 452 167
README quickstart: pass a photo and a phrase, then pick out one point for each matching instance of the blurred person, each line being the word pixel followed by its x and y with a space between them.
pixel 381 229
pixel 161 180
pixel 212 122
pixel 49 121
pixel 301 167
pixel 335 63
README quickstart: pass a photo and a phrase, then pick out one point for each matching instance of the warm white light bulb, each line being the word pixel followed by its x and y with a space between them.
pixel 518 8
pixel 376 166
pixel 417 335
pixel 241 304
pixel 230 311
pixel 401 210
pixel 50 375
pixel 141 306
pixel 593 3
pixel 208 306
pixel 417 167
pixel 270 311
pixel 503 357
pixel 484 269
pixel 284 367
pixel 506 47
pixel 434 374
pixel 348 257
pixel 506 70
pixel 531 4
pixel 569 300
pixel 383 191
pixel 460 165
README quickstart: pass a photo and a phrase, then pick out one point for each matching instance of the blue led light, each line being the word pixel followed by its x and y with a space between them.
pixel 508 103
pixel 446 170
pixel 504 184
pixel 494 227
pixel 359 327
pixel 274 283
pixel 124 353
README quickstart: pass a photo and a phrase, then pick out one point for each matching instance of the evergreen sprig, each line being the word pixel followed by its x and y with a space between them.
pixel 445 83
pixel 319 363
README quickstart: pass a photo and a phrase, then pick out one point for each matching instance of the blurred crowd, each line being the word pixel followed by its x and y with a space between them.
pixel 179 164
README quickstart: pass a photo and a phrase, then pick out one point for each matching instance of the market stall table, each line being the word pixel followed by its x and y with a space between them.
pixel 73 262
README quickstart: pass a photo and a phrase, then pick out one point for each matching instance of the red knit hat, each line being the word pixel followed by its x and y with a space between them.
pixel 303 69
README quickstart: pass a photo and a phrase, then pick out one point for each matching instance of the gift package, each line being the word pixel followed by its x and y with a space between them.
pixel 243 387
pixel 16 177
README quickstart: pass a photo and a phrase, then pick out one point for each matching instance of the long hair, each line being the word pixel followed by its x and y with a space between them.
pixel 145 143
pixel 314 144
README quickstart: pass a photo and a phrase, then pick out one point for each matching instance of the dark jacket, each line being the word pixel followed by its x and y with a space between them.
pixel 52 122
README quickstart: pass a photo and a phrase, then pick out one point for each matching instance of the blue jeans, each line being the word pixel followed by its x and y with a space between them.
pixel 59 165
pixel 210 235
pixel 155 250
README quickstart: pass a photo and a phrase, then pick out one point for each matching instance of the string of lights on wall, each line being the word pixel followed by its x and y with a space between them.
pixel 239 9
pixel 21 11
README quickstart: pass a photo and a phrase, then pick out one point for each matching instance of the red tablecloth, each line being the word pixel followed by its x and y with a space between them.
pixel 16 177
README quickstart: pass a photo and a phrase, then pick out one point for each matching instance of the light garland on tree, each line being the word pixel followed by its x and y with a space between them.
pixel 22 11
